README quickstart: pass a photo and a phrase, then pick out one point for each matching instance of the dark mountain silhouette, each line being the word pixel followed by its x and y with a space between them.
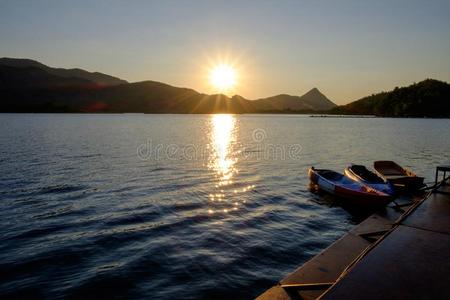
pixel 317 100
pixel 312 100
pixel 428 98
pixel 29 86
pixel 95 77
pixel 29 77
pixel 144 97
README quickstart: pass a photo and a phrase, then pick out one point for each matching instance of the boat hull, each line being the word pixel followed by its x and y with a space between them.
pixel 364 176
pixel 351 191
pixel 397 175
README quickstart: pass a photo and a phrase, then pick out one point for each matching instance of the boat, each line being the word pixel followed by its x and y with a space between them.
pixel 398 176
pixel 353 192
pixel 361 174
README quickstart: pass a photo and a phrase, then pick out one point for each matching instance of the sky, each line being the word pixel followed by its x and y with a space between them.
pixel 347 49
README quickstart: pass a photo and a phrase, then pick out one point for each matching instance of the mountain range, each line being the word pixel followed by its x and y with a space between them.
pixel 29 86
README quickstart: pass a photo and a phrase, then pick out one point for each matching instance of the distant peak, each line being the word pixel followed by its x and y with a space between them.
pixel 314 96
pixel 314 91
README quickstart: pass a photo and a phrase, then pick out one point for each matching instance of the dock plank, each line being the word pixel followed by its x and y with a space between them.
pixel 433 214
pixel 402 266
pixel 409 262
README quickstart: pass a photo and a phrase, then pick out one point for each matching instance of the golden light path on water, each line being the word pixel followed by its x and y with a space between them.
pixel 223 134
pixel 223 159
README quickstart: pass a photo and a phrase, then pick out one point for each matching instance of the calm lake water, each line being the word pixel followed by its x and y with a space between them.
pixel 180 206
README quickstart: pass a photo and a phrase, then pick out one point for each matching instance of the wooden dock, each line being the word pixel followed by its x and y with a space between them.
pixel 402 252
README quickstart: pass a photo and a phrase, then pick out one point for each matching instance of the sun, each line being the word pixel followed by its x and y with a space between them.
pixel 223 77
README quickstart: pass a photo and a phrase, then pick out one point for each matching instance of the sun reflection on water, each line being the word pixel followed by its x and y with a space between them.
pixel 223 159
pixel 223 134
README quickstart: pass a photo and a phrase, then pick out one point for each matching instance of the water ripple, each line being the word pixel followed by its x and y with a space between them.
pixel 84 215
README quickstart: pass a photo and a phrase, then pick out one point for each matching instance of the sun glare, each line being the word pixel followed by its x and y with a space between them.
pixel 223 77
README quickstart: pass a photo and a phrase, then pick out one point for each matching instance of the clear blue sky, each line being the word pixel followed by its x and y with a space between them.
pixel 348 49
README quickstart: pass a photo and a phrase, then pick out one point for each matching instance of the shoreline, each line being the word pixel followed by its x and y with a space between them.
pixel 224 113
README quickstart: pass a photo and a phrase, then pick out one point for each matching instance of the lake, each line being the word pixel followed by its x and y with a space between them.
pixel 180 206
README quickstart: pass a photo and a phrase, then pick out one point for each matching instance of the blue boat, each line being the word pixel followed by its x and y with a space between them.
pixel 361 174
